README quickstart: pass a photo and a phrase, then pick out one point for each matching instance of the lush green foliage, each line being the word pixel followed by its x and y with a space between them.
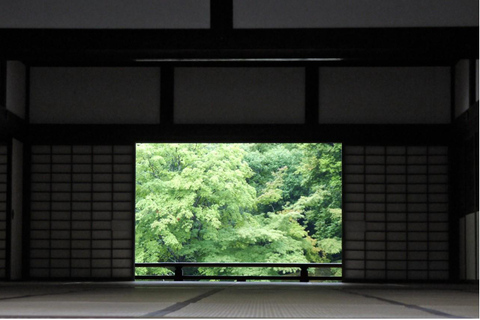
pixel 238 203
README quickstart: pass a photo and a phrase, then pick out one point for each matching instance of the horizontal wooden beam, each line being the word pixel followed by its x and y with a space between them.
pixel 179 276
pixel 42 46
pixel 374 134
pixel 237 264
pixel 241 278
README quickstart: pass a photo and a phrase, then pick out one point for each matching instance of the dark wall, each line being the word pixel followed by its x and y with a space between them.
pixel 465 171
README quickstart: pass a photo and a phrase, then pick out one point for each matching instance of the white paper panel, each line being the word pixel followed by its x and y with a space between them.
pixel 95 95
pixel 462 87
pixel 105 14
pixel 392 228
pixel 76 218
pixel 16 88
pixel 354 14
pixel 471 247
pixel 239 95
pixel 384 95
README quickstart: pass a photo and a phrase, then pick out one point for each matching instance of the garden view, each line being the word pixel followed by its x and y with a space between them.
pixel 253 202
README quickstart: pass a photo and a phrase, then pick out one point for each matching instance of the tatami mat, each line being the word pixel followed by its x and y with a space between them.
pixel 237 300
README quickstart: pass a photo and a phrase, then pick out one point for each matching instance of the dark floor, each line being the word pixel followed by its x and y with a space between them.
pixel 237 300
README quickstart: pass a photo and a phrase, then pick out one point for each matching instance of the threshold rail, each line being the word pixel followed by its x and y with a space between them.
pixel 179 276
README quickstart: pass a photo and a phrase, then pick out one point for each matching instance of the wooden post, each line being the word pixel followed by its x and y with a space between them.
pixel 303 274
pixel 178 273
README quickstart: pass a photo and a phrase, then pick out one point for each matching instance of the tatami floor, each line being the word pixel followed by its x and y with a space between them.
pixel 236 300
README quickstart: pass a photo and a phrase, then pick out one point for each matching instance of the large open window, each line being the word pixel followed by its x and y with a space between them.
pixel 238 202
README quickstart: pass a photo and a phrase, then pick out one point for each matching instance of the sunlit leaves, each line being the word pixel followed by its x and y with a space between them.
pixel 238 203
pixel 331 245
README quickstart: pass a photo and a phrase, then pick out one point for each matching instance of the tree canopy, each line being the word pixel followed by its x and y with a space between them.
pixel 238 203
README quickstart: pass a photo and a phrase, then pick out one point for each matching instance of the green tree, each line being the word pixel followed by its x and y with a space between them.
pixel 195 203
pixel 321 170
pixel 266 159
pixel 311 176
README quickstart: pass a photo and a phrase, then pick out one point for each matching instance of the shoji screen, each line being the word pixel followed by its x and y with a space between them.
pixel 105 14
pixel 82 215
pixel 294 14
pixel 94 95
pixel 3 210
pixel 239 95
pixel 396 212
pixel 384 95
